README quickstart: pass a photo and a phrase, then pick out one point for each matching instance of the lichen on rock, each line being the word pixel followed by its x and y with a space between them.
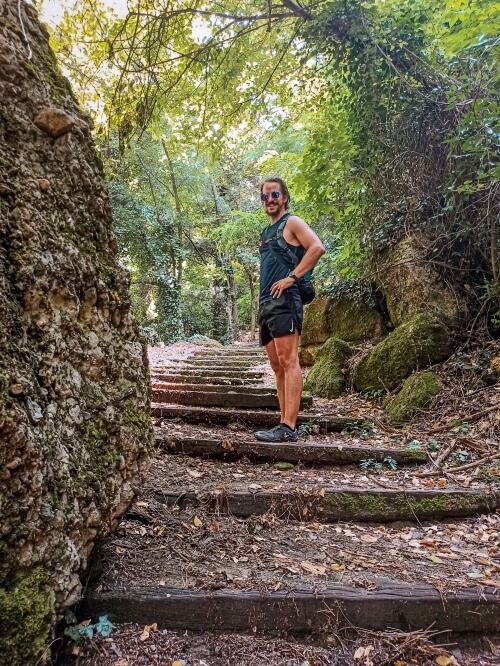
pixel 75 432
pixel 326 378
pixel 417 344
pixel 415 395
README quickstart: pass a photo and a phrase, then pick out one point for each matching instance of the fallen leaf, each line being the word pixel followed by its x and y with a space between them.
pixel 197 522
pixel 444 660
pixel 366 538
pixel 317 569
pixel 436 559
pixel 359 654
pixel 148 629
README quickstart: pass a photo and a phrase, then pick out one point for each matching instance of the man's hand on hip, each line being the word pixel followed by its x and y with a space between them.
pixel 280 286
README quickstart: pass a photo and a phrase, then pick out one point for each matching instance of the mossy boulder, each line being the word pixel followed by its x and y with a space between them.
pixel 326 378
pixel 316 327
pixel 307 355
pixel 342 317
pixel 416 394
pixel 75 427
pixel 411 285
pixel 416 344
pixel 26 614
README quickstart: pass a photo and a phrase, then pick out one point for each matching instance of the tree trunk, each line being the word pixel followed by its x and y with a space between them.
pixel 178 209
pixel 225 264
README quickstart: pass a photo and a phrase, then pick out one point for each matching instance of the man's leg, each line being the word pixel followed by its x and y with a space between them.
pixel 279 374
pixel 287 351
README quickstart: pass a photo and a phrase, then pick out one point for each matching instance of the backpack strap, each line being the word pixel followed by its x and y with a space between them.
pixel 282 242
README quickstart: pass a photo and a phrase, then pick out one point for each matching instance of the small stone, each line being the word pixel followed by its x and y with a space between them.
pixel 16 389
pixel 44 184
pixel 34 409
pixel 54 122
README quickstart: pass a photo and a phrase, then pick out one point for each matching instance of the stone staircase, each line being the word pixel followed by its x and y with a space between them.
pixel 234 535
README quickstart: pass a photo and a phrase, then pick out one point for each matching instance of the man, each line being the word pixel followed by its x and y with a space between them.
pixel 280 305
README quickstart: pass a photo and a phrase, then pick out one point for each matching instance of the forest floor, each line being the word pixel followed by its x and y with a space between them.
pixel 196 543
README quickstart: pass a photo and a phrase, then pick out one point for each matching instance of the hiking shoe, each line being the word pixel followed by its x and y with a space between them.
pixel 280 433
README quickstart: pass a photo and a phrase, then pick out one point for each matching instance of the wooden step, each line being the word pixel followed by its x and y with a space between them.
pixel 249 351
pixel 226 399
pixel 385 604
pixel 225 361
pixel 328 504
pixel 262 419
pixel 210 372
pixel 238 358
pixel 220 366
pixel 212 388
pixel 196 379
pixel 233 447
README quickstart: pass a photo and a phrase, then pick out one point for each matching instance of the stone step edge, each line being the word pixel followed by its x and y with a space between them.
pixel 320 454
pixel 329 505
pixel 260 418
pixel 391 605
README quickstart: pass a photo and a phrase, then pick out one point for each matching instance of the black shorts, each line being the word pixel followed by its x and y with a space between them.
pixel 279 317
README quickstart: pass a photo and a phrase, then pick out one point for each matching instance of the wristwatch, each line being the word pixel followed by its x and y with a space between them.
pixel 293 276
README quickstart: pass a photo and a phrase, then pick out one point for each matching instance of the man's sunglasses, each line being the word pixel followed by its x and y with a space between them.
pixel 266 196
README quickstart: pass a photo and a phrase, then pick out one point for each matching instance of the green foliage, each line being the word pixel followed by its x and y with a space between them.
pixel 372 464
pixel 85 631
pixel 383 117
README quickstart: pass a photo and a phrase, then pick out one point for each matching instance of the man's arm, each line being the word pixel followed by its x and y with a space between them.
pixel 305 236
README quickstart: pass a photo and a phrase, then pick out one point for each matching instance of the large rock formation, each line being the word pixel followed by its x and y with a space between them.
pixel 74 423
pixel 342 317
pixel 418 343
pixel 412 285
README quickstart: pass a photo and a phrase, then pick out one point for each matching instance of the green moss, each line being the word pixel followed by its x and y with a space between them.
pixel 326 378
pixel 353 321
pixel 26 612
pixel 416 394
pixel 137 417
pixel 419 343
pixel 95 458
pixel 402 506
pixel 345 318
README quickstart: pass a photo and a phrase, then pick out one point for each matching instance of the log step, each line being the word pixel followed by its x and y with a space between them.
pixel 316 454
pixel 330 505
pixel 213 388
pixel 220 365
pixel 263 419
pixel 211 372
pixel 224 361
pixel 249 351
pixel 394 604
pixel 196 379
pixel 226 399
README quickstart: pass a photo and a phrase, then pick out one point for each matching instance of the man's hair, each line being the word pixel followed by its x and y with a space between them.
pixel 281 183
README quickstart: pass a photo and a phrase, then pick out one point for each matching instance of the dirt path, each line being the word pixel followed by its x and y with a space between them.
pixel 336 541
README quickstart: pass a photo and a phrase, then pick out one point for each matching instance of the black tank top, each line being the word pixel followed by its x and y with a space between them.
pixel 272 268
